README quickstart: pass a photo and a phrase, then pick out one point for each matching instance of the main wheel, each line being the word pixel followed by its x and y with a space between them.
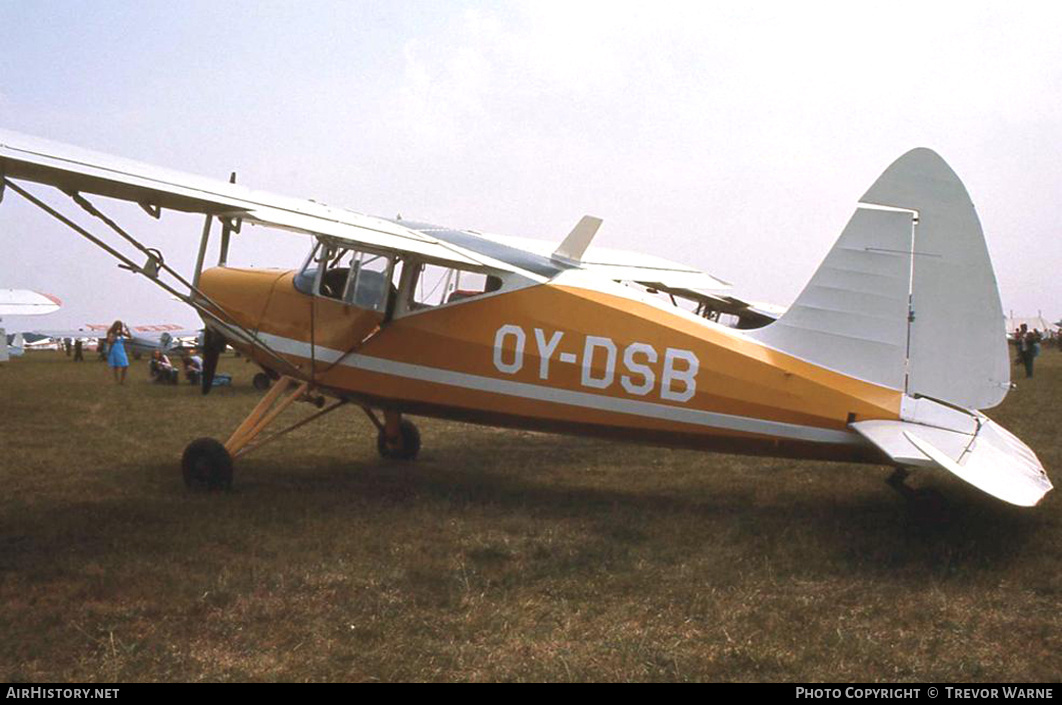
pixel 206 465
pixel 262 381
pixel 410 443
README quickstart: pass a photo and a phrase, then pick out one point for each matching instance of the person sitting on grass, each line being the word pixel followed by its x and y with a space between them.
pixel 162 370
pixel 193 367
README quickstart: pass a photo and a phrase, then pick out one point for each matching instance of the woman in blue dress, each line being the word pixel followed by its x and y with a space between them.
pixel 116 356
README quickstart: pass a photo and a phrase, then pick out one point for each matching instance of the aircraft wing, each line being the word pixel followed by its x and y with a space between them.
pixel 73 169
pixel 621 265
pixel 23 302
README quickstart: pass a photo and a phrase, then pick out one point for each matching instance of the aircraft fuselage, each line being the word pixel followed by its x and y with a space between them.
pixel 560 357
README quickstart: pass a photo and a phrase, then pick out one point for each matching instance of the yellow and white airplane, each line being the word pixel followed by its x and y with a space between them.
pixel 887 356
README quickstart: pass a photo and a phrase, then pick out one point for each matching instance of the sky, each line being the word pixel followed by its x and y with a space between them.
pixel 735 137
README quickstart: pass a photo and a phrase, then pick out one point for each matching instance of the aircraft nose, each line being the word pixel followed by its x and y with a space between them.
pixel 241 294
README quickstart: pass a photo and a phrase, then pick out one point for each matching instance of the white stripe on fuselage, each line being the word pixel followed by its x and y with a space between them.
pixel 634 407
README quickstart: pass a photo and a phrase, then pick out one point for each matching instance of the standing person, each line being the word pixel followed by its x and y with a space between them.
pixel 1028 347
pixel 1020 345
pixel 1037 340
pixel 116 356
pixel 78 352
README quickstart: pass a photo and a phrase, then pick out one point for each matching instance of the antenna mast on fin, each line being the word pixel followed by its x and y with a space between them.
pixel 578 239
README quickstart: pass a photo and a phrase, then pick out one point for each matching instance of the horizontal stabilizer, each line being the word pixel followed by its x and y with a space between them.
pixel 990 458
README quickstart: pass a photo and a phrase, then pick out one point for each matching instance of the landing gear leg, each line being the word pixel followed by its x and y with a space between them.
pixel 208 463
pixel 397 438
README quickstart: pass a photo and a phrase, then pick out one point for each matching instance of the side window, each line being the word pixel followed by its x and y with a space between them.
pixel 436 285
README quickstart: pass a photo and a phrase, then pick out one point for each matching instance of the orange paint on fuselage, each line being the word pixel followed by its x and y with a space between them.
pixel 736 376
pixel 267 301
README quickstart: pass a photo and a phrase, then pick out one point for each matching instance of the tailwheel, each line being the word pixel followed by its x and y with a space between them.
pixel 206 465
pixel 401 446
pixel 262 382
pixel 927 503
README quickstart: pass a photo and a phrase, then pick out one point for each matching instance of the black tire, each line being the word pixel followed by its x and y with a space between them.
pixel 410 443
pixel 206 465
pixel 262 382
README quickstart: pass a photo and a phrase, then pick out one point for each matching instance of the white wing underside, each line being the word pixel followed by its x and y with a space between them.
pixel 23 302
pixel 72 169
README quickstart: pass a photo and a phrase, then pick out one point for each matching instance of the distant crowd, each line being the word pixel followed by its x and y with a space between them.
pixel 161 369
pixel 1029 343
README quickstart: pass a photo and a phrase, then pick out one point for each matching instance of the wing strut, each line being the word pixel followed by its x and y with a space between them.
pixel 203 241
pixel 155 262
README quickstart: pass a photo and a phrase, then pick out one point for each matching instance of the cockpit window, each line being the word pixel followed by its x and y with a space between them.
pixel 357 278
pixel 369 280
pixel 307 276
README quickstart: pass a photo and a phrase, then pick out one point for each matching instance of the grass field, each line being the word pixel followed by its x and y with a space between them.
pixel 498 555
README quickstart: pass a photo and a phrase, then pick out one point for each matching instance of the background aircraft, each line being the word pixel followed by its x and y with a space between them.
pixel 22 302
pixel 166 337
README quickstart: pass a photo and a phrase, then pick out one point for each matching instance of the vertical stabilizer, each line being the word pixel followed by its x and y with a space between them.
pixel 907 297
pixel 852 315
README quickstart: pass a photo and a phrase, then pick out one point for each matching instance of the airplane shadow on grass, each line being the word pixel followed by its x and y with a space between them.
pixel 857 527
